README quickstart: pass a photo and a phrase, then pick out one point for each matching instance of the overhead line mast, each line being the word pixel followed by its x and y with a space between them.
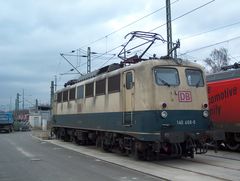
pixel 169 28
pixel 88 60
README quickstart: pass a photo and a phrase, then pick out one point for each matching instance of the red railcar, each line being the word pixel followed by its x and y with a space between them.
pixel 224 104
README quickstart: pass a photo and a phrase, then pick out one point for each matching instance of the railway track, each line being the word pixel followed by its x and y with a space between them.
pixel 211 166
pixel 221 165
pixel 228 160
pixel 228 155
pixel 199 173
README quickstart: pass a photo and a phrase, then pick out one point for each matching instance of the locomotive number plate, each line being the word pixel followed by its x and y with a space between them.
pixel 184 96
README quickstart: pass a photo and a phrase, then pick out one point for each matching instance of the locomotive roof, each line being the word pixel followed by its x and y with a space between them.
pixel 224 75
pixel 119 67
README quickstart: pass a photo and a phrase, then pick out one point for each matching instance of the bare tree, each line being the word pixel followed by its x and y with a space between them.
pixel 218 58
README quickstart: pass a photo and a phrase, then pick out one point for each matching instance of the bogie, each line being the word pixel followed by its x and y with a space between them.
pixel 127 145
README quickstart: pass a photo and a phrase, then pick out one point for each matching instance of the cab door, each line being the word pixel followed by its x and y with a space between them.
pixel 128 97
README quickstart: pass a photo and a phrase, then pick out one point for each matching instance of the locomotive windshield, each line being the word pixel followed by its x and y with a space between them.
pixel 166 76
pixel 194 77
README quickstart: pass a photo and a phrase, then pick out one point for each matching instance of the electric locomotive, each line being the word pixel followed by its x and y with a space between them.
pixel 224 98
pixel 143 107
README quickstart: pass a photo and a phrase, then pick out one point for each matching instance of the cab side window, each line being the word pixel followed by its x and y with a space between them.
pixel 129 80
pixel 89 90
pixel 72 94
pixel 59 97
pixel 65 96
pixel 80 92
pixel 101 87
pixel 114 84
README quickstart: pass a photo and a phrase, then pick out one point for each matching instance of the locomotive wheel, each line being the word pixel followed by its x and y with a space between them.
pixel 231 142
pixel 233 146
pixel 137 155
pixel 104 146
pixel 140 151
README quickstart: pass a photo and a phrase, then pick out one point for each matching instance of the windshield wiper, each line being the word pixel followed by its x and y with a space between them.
pixel 197 84
pixel 164 82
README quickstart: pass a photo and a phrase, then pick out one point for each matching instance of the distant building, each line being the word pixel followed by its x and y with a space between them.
pixel 38 114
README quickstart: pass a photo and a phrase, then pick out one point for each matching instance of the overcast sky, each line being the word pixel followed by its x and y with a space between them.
pixel 34 33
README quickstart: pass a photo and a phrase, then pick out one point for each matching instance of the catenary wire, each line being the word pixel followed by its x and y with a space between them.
pixel 184 14
pixel 211 30
pixel 174 19
pixel 207 46
pixel 103 37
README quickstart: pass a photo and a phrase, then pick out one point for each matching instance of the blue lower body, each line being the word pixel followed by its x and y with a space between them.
pixel 144 125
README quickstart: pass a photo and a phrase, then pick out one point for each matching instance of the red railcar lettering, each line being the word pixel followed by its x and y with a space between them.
pixel 224 100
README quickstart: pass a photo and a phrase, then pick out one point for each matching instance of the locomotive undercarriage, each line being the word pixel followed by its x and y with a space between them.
pixel 128 145
pixel 232 141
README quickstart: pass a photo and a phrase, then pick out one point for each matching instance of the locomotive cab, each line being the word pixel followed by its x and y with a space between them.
pixel 166 98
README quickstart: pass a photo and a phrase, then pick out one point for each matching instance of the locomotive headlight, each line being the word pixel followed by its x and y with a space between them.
pixel 164 114
pixel 164 105
pixel 205 114
pixel 205 106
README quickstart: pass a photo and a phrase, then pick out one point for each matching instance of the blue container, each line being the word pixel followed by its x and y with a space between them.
pixel 6 121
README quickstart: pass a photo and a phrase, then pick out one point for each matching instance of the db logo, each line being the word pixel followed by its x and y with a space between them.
pixel 184 96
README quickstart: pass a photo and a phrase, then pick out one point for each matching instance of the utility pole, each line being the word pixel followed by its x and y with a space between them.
pixel 169 28
pixel 36 105
pixel 52 93
pixel 23 99
pixel 51 98
pixel 10 105
pixel 88 60
pixel 55 84
pixel 17 102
